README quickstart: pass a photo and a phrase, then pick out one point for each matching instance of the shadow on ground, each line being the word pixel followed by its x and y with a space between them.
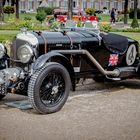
pixel 83 88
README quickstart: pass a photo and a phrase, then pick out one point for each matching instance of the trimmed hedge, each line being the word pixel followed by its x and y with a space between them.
pixel 9 9
pixel 47 10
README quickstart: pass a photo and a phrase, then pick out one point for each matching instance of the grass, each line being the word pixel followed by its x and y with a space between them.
pixel 135 36
pixel 7 35
pixel 21 16
pixel 106 18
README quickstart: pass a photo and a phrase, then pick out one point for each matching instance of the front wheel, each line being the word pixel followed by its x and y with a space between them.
pixel 49 88
pixel 1 97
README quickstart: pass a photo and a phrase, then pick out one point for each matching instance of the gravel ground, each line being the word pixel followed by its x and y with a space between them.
pixel 109 111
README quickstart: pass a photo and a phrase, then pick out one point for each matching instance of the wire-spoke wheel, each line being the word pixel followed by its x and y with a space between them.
pixel 1 97
pixel 49 88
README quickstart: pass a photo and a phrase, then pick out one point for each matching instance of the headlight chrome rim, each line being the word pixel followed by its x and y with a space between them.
pixel 24 53
pixel 2 50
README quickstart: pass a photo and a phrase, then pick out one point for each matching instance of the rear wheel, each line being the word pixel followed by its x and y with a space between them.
pixel 49 88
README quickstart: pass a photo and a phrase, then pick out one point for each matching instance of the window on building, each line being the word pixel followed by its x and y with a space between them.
pixel 132 4
pixel 84 5
pixel 31 5
pixel 108 5
pixel 22 5
pixel 92 5
pixel 116 5
pixel 54 4
pixel 50 3
pixel 74 4
pixel 123 2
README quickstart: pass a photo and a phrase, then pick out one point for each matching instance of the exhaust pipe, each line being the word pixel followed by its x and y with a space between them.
pixel 126 71
pixel 114 73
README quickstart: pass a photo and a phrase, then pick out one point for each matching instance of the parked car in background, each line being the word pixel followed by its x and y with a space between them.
pixel 63 18
pixel 98 12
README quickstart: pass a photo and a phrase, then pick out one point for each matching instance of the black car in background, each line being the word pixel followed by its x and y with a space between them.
pixel 98 12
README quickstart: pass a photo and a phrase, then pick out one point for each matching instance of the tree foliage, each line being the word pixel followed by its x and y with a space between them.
pixel 90 11
pixel 9 9
pixel 135 23
pixel 1 11
pixel 40 16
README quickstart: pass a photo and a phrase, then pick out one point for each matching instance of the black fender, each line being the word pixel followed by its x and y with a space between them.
pixel 55 57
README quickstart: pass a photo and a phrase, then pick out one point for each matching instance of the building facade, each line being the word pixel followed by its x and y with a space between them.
pixel 29 4
pixel 77 4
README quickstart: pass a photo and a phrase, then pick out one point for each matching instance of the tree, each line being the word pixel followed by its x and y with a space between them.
pixel 16 4
pixel 41 15
pixel 125 12
pixel 1 11
pixel 13 2
pixel 135 23
pixel 70 7
pixel 17 8
pixel 9 10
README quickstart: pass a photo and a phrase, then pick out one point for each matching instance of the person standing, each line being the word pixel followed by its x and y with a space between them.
pixel 112 15
pixel 116 15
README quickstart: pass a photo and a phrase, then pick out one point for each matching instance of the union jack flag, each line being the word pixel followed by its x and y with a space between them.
pixel 113 60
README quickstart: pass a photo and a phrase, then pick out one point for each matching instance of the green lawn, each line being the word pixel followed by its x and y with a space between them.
pixel 135 36
pixel 21 16
pixel 106 18
pixel 7 35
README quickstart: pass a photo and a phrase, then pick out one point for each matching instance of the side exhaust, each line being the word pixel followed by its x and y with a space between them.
pixel 119 72
pixel 93 60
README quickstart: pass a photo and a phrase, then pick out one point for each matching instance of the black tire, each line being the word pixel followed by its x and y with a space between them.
pixel 1 97
pixel 49 88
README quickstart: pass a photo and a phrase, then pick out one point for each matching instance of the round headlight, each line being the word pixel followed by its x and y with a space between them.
pixel 24 53
pixel 2 50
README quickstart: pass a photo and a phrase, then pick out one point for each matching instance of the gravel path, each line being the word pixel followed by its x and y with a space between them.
pixel 109 111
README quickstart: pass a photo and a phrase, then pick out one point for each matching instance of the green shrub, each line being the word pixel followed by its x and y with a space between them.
pixel 90 11
pixel 131 14
pixel 9 9
pixel 105 27
pixel 27 18
pixel 135 23
pixel 55 25
pixel 136 30
pixel 26 23
pixel 41 16
pixel 130 30
pixel 47 10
